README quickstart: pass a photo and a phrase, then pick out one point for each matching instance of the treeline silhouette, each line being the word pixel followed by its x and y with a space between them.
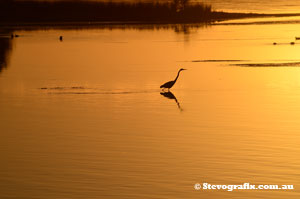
pixel 176 11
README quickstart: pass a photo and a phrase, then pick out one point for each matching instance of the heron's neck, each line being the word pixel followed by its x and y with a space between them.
pixel 177 76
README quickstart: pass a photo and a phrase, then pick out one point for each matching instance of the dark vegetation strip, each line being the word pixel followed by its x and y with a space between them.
pixel 175 11
pixel 218 60
pixel 288 64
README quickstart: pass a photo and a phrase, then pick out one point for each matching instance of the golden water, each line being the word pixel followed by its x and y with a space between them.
pixel 84 118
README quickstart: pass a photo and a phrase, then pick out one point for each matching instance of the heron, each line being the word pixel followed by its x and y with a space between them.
pixel 170 84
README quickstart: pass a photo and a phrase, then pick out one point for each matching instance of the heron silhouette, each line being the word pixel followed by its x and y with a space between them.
pixel 170 84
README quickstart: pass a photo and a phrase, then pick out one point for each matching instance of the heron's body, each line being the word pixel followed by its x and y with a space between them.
pixel 170 84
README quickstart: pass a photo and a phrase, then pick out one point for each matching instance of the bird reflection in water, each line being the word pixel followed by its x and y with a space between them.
pixel 170 95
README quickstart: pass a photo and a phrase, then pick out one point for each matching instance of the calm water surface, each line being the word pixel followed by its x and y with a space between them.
pixel 258 6
pixel 84 118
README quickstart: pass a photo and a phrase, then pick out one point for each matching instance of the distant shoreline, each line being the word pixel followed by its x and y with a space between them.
pixel 87 24
pixel 66 13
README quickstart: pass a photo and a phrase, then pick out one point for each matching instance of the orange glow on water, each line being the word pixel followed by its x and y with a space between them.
pixel 84 116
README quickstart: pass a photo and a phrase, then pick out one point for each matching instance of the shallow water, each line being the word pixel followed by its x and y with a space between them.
pixel 84 118
pixel 258 6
